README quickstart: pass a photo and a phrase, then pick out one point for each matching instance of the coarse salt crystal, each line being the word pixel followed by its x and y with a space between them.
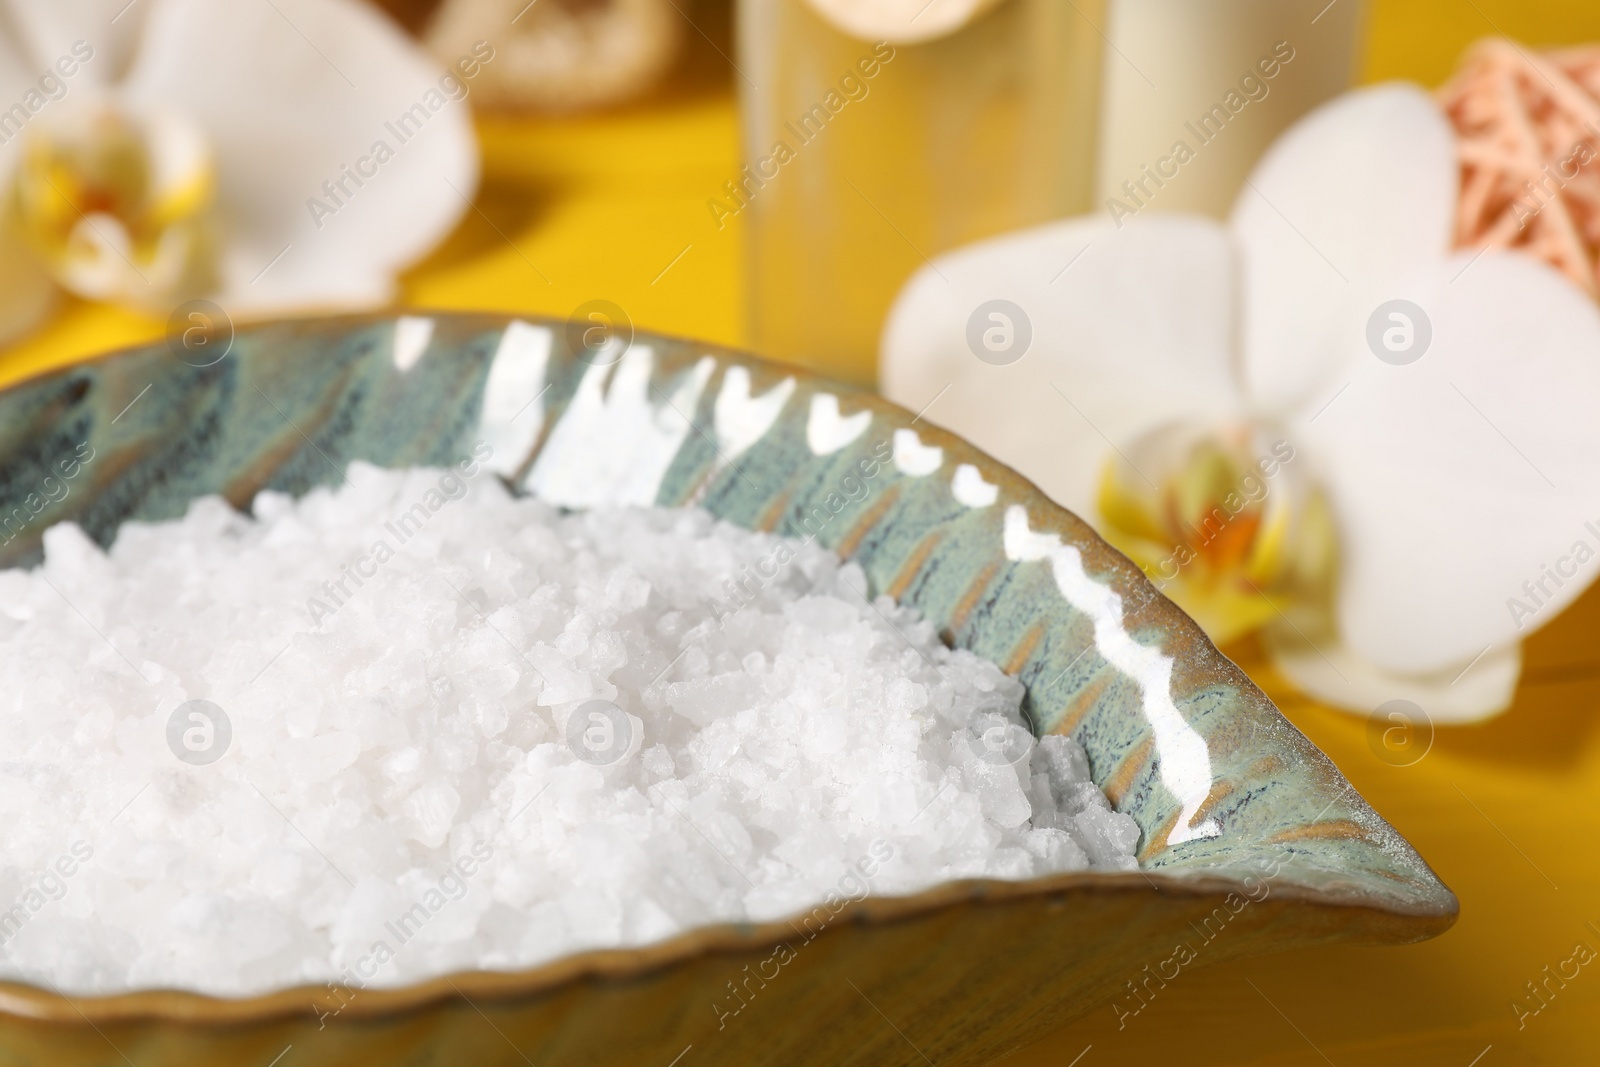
pixel 418 724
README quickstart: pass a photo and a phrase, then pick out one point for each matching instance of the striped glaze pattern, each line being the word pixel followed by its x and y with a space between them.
pixel 1219 782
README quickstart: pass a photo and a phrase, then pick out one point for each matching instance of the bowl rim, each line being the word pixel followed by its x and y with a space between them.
pixel 1383 925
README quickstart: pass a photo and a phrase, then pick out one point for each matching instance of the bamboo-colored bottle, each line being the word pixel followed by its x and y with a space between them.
pixel 864 158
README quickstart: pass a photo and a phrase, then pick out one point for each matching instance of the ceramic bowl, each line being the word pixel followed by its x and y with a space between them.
pixel 1252 840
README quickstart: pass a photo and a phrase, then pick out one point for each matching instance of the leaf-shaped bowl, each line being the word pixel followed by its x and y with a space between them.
pixel 1252 839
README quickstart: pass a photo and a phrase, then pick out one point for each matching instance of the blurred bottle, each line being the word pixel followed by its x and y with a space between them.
pixel 1224 78
pixel 865 158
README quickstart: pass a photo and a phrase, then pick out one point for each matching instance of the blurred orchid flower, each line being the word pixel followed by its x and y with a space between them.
pixel 1318 421
pixel 158 150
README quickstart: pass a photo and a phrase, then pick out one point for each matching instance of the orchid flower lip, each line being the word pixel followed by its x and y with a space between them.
pixel 116 200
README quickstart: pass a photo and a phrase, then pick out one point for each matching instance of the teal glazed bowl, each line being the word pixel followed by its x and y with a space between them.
pixel 1247 829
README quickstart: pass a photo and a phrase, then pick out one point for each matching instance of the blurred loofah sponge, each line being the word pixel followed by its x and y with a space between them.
pixel 553 55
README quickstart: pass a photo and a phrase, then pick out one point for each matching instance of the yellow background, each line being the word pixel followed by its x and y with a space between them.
pixel 1508 812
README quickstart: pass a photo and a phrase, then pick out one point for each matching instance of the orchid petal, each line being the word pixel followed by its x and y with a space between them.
pixel 107 30
pixel 1129 328
pixel 1360 191
pixel 17 76
pixel 291 94
pixel 1474 689
pixel 1465 483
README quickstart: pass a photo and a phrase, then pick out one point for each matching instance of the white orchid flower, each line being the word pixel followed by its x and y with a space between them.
pixel 156 150
pixel 1396 493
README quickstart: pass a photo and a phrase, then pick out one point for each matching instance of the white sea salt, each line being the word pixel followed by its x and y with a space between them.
pixel 417 725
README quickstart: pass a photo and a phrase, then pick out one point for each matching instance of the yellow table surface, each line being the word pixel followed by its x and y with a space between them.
pixel 1507 813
